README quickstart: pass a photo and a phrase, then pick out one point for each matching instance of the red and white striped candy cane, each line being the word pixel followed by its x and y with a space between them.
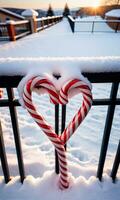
pixel 1 92
pixel 55 99
pixel 83 88
pixel 27 97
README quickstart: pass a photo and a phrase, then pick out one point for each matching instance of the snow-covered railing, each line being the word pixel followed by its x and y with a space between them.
pixel 10 82
pixel 22 28
pixel 45 22
pixel 94 25
pixel 12 30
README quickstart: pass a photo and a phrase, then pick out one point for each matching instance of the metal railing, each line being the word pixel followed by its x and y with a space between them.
pixel 104 25
pixel 10 82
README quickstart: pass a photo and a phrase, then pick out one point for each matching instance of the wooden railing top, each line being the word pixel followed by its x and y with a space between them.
pixel 49 17
pixel 21 22
pixel 2 23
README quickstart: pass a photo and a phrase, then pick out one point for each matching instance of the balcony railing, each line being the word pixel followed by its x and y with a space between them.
pixel 12 30
pixel 45 22
pixel 10 82
pixel 4 32
pixel 22 28
pixel 105 26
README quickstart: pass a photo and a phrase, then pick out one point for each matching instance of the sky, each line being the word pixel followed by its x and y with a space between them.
pixel 44 3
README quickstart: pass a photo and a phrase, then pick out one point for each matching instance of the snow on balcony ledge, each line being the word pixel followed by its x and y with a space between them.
pixel 73 65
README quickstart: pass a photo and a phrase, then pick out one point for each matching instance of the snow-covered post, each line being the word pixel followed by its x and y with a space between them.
pixel 31 15
pixel 52 20
pixel 11 30
pixel 48 20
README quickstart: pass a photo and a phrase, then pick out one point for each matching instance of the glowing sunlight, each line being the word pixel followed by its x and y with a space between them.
pixel 96 4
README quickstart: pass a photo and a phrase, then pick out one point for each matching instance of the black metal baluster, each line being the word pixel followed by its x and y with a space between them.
pixel 57 132
pixel 93 24
pixel 63 120
pixel 3 157
pixel 107 129
pixel 116 164
pixel 16 133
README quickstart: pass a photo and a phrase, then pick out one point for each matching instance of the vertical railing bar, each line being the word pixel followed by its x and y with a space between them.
pixel 107 129
pixel 93 26
pixel 57 132
pixel 117 26
pixel 3 157
pixel 63 120
pixel 116 164
pixel 16 133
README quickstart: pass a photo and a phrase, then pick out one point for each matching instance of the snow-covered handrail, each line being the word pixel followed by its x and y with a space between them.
pixel 21 22
pixel 2 23
pixel 71 18
pixel 71 22
pixel 44 22
pixel 49 17
pixel 96 20
pixel 64 64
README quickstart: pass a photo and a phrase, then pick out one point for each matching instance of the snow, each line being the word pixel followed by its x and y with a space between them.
pixel 29 13
pixel 113 13
pixel 3 42
pixel 46 188
pixel 58 65
pixel 39 156
pixel 58 50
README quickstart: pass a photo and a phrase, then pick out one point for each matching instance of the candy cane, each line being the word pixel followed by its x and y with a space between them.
pixel 55 99
pixel 82 112
pixel 38 82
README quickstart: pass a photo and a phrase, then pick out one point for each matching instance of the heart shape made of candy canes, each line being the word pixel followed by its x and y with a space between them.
pixel 56 98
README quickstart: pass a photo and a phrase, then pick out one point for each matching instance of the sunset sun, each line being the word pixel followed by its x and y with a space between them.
pixel 96 4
